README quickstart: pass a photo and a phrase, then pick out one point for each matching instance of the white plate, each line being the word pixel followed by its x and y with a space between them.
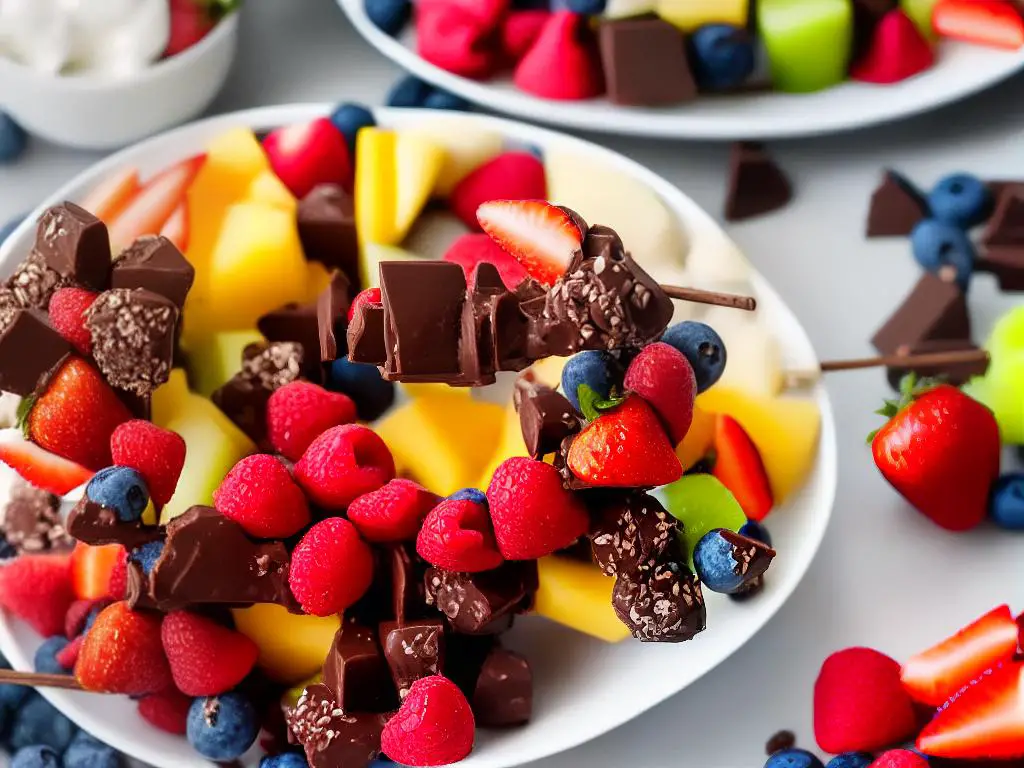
pixel 962 70
pixel 583 687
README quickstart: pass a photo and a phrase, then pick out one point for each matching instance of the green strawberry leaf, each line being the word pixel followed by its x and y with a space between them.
pixel 588 400
pixel 911 388
pixel 610 403
pixel 218 9
pixel 24 409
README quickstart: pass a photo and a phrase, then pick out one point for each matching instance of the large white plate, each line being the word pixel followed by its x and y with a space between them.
pixel 962 70
pixel 583 687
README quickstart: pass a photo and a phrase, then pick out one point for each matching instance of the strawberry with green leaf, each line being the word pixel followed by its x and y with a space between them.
pixel 192 20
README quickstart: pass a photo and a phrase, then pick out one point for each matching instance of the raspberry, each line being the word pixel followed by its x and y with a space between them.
pixel 663 377
pixel 167 710
pixel 299 412
pixel 434 725
pixel 509 176
pixel 206 659
pixel 260 495
pixel 78 615
pixel 37 589
pixel 67 315
pixel 457 536
pixel 899 758
pixel 392 513
pixel 331 567
pixel 122 654
pixel 342 464
pixel 156 454
pixel 67 657
pixel 365 296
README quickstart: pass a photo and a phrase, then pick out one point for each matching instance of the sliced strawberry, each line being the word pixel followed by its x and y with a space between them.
pixel 175 228
pixel 471 250
pixel 149 210
pixel 92 569
pixel 934 675
pixel 108 198
pixel 543 237
pixel 984 721
pixel 738 466
pixel 41 468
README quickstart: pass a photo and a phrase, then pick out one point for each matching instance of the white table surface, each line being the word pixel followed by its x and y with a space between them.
pixel 884 577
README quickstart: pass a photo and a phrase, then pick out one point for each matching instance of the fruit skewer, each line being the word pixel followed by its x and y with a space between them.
pixel 797 379
pixel 38 680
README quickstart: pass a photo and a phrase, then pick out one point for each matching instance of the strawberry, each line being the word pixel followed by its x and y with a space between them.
pixel 176 228
pixel 509 176
pixel 300 411
pixel 155 453
pixel 940 450
pixel 365 296
pixel 152 206
pixel 167 711
pixel 543 237
pixel 110 196
pixel 331 567
pixel 899 758
pixel 122 653
pixel 93 568
pixel 983 721
pixel 471 250
pixel 67 656
pixel 934 675
pixel 457 536
pixel 117 587
pixel 206 658
pixel 454 40
pixel 76 415
pixel 563 62
pixel 192 20
pixel 78 614
pixel 342 464
pixel 434 725
pixel 260 495
pixel 391 513
pixel 41 468
pixel 308 154
pixel 624 448
pixel 67 315
pixel 897 51
pixel 37 589
pixel 994 23
pixel 520 31
pixel 738 466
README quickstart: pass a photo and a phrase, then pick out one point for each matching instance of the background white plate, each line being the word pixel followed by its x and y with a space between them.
pixel 583 687
pixel 961 70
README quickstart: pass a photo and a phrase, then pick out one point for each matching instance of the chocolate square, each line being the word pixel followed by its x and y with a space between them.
pixel 356 672
pixel 156 264
pixel 31 351
pixel 934 309
pixel 327 228
pixel 413 650
pixel 75 244
pixel 896 207
pixel 1006 227
pixel 332 318
pixel 1006 263
pixel 645 63
pixel 365 335
pixel 504 690
pixel 296 323
pixel 482 603
pixel 756 184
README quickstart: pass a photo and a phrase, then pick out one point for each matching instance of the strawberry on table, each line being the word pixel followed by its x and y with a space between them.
pixel 40 468
pixel 543 237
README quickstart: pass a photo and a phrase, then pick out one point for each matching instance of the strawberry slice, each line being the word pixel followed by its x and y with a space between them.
pixel 175 228
pixel 150 209
pixel 92 568
pixel 543 237
pixel 108 198
pixel 934 675
pixel 471 250
pixel 45 470
pixel 739 467
pixel 985 720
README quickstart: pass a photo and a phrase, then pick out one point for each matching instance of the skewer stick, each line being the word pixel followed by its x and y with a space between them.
pixel 796 379
pixel 749 303
pixel 38 680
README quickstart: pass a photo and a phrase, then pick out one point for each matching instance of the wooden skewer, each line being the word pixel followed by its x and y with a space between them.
pixel 749 303
pixel 796 379
pixel 39 680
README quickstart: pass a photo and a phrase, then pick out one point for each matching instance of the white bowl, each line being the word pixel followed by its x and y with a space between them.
pixel 88 112
pixel 583 687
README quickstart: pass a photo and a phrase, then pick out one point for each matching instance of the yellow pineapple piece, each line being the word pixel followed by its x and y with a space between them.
pixel 317 279
pixel 466 147
pixel 418 163
pixel 376 187
pixel 698 440
pixel 267 188
pixel 291 648
pixel 579 596
pixel 688 15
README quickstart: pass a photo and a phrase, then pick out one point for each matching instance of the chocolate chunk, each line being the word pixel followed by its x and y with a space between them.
pixel 896 207
pixel 645 62
pixel 34 283
pixel 31 351
pixel 413 651
pixel 663 604
pixel 356 672
pixel 504 690
pixel 9 306
pixel 153 262
pixel 748 591
pixel 779 741
pixel 30 520
pixel 1006 263
pixel 332 318
pixel 133 338
pixel 464 657
pixel 955 374
pixel 1006 227
pixel 138 592
pixel 327 228
pixel 482 603
pixel 933 310
pixel 751 557
pixel 94 524
pixel 296 323
pixel 331 737
pixel 756 184
pixel 546 417
pixel 630 532
pixel 997 186
pixel 75 245
pixel 366 335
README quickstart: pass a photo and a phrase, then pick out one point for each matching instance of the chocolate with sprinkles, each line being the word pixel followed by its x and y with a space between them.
pixel 31 522
pixel 663 604
pixel 34 283
pixel 630 532
pixel 330 736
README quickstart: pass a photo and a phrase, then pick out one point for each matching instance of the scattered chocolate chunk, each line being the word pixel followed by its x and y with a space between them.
pixel 332 318
pixel 464 657
pixel 413 651
pixel 482 603
pixel 296 323
pixel 645 62
pixel 955 374
pixel 780 741
pixel 504 690
pixel 356 672
pixel 1006 226
pixel 31 351
pixel 94 524
pixel 331 737
pixel 75 245
pixel 133 338
pixel 1005 263
pixel 34 283
pixel 546 417
pixel 30 521
pixel 751 557
pixel 661 604
pixel 153 262
pixel 933 310
pixel 630 532
pixel 327 228
pixel 896 207
pixel 756 184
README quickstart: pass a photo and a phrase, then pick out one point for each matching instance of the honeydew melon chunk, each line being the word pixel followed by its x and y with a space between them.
pixel 216 358
pixel 808 42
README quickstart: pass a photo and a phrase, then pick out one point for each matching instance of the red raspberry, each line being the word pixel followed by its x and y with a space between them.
pixel 365 296
pixel 167 710
pixel 663 377
pixel 122 653
pixel 457 536
pixel 899 758
pixel 156 454
pixel 67 315
pixel 434 725
pixel 67 656
pixel 37 589
pixel 331 567
pixel 342 464
pixel 260 495
pixel 78 614
pixel 533 515
pixel 118 588
pixel 300 411
pixel 392 513
pixel 509 176
pixel 206 659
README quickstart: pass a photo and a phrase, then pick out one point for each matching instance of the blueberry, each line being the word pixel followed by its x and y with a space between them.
pixel 1006 502
pixel 9 227
pixel 702 347
pixel 45 659
pixel 286 760
pixel 409 91
pixel 722 56
pixel 147 555
pixel 793 758
pixel 7 550
pixel 91 618
pixel 86 751
pixel 121 489
pixel 586 7
pixel 38 722
pixel 37 756
pixel 389 16
pixel 851 760
pixel 349 118
pixel 470 493
pixel 714 563
pixel 441 99
pixel 364 384
pixel 593 368
pixel 12 696
pixel 222 727
pixel 960 200
pixel 13 139
pixel 939 247
pixel 755 530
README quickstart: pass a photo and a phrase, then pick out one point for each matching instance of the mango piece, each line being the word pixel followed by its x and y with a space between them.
pixel 688 15
pixel 418 163
pixel 443 441
pixel 808 42
pixel 291 648
pixel 376 187
pixel 372 254
pixel 216 358
pixel 267 188
pixel 784 429
pixel 579 596
pixel 701 503
pixel 466 147
pixel 699 438
pixel 426 390
pixel 317 279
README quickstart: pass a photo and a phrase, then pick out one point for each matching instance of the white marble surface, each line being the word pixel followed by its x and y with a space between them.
pixel 885 577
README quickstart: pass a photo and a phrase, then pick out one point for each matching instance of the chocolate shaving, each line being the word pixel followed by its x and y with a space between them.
pixel 31 522
pixel 331 737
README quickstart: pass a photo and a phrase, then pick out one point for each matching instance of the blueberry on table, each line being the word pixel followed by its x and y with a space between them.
pixel 13 139
pixel 371 393
pixel 349 118
pixel 793 758
pixel 943 249
pixel 593 368
pixel 86 751
pixel 45 659
pixel 38 722
pixel 851 760
pixel 702 347
pixel 1006 502
pixel 727 562
pixel 722 56
pixel 441 99
pixel 389 16
pixel 961 199
pixel 37 756
pixel 409 91
pixel 222 728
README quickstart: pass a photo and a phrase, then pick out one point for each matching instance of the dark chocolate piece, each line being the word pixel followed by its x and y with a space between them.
pixel 752 557
pixel 356 672
pixel 504 690
pixel 955 374
pixel 896 207
pixel 779 741
pixel 546 417
pixel 31 351
pixel 138 592
pixel 153 262
pixel 9 306
pixel 663 604
pixel 1006 227
pixel 413 651
pixel 366 335
pixel 327 228
pixel 34 283
pixel 1006 263
pixel 331 737
pixel 933 310
pixel 997 186
pixel 133 338
pixel 75 245
pixel 756 184
pixel 297 323
pixel 645 62
pixel 482 603
pixel 748 591
pixel 332 318
pixel 31 522
pixel 94 524
pixel 630 532
pixel 464 657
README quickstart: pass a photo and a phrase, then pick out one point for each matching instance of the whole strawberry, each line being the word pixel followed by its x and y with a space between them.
pixel 940 450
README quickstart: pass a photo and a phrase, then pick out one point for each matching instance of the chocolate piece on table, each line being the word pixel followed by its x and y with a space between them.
pixel 630 531
pixel 31 351
pixel 365 335
pixel 94 524
pixel 546 417
pixel 779 741
pixel 645 62
pixel 756 184
pixel 933 310
pixel 133 338
pixel 30 521
pixel 955 374
pixel 356 672
pixel 896 207
pixel 482 603
pixel 153 262
pixel 1006 263
pixel 663 604
pixel 331 737
pixel 504 691
pixel 327 228
pixel 297 323
pixel 413 650
pixel 1006 226
pixel 332 319
pixel 34 283
pixel 75 245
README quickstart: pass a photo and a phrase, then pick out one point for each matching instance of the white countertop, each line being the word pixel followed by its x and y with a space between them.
pixel 884 577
